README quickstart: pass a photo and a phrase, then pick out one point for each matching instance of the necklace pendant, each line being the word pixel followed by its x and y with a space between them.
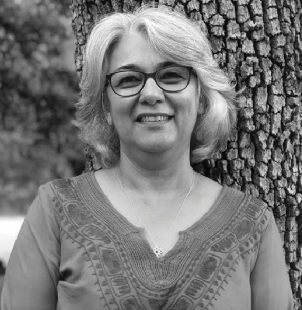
pixel 158 251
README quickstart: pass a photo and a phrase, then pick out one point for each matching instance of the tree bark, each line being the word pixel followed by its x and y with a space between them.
pixel 259 44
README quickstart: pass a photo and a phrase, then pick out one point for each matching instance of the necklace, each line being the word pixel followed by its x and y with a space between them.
pixel 157 248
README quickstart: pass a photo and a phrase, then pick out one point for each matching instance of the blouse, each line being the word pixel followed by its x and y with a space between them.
pixel 75 251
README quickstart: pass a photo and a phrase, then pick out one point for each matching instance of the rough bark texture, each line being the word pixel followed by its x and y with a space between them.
pixel 259 45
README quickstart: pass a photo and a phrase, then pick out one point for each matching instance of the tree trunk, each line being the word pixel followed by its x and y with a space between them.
pixel 259 44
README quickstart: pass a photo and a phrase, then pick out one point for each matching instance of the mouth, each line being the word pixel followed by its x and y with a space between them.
pixel 153 118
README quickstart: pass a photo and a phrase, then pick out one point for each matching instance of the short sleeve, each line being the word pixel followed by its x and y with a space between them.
pixel 270 286
pixel 32 273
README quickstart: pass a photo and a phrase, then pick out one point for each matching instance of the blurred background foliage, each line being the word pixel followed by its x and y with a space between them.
pixel 38 90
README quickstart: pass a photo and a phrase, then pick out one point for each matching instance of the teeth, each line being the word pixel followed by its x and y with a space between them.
pixel 158 118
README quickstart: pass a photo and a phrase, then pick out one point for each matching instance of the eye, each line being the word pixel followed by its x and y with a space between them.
pixel 172 75
pixel 126 79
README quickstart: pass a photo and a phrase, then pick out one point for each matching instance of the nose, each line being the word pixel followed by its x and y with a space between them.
pixel 151 93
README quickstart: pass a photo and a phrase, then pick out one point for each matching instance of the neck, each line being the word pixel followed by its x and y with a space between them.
pixel 174 176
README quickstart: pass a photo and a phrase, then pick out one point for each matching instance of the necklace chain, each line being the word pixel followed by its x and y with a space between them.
pixel 157 248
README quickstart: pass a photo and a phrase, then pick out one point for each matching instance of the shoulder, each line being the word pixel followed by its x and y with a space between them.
pixel 52 195
pixel 242 221
pixel 231 203
pixel 253 214
pixel 63 199
pixel 52 198
pixel 57 186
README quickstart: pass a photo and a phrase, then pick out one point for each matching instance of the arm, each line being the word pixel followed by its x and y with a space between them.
pixel 270 285
pixel 33 269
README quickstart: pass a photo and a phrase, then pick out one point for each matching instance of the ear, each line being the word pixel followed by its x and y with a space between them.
pixel 109 119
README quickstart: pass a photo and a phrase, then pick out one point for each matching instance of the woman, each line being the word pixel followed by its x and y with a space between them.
pixel 147 232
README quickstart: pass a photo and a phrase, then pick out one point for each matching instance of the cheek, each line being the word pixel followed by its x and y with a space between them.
pixel 194 109
pixel 194 104
pixel 191 99
pixel 120 111
pixel 198 100
pixel 111 103
pixel 186 106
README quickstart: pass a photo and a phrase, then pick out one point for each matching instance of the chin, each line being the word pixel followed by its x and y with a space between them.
pixel 157 147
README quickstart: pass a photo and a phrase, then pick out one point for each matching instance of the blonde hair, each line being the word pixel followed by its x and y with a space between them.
pixel 179 40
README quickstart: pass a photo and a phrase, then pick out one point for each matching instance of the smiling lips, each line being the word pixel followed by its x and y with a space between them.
pixel 153 118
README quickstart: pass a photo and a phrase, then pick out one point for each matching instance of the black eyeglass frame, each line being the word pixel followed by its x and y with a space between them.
pixel 150 75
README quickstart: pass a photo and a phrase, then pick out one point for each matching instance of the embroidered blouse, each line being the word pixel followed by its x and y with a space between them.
pixel 75 251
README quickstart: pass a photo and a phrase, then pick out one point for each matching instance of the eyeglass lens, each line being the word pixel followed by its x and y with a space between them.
pixel 128 83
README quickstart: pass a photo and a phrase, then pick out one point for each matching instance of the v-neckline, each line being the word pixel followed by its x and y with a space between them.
pixel 97 193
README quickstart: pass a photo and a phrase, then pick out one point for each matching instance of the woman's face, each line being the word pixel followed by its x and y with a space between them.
pixel 130 115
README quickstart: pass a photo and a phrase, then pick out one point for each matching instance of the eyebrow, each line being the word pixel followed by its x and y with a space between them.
pixel 138 68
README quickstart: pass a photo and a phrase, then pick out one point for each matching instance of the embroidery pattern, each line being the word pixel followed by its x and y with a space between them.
pixel 126 281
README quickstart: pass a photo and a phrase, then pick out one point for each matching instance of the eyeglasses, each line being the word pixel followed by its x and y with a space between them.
pixel 130 83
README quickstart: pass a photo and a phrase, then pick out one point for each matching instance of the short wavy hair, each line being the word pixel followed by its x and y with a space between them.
pixel 179 40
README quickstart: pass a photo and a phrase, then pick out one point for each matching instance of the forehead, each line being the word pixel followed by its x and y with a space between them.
pixel 134 49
